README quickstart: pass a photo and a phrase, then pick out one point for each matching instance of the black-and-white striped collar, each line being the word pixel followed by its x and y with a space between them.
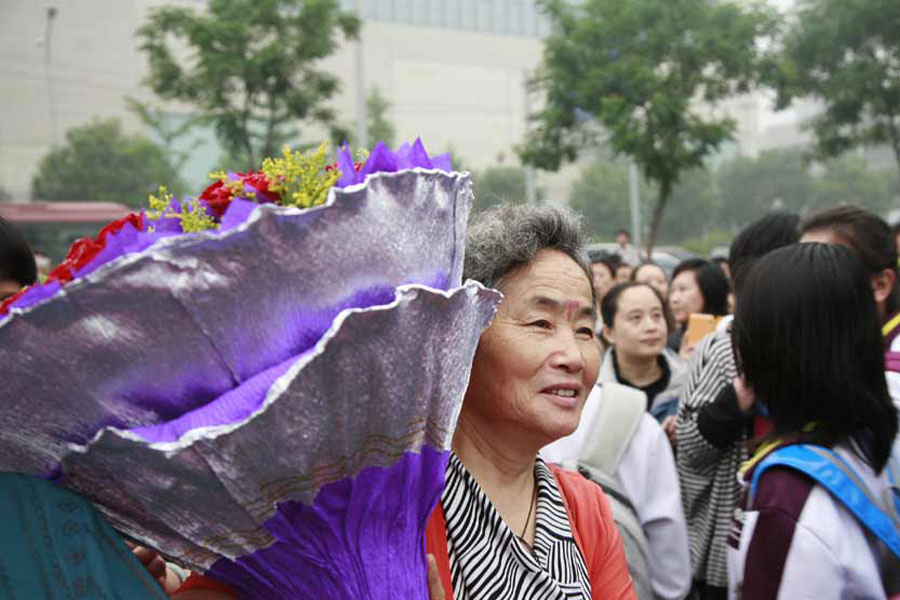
pixel 487 560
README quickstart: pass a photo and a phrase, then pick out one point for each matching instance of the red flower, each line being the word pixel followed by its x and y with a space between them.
pixel 86 249
pixel 4 308
pixel 217 198
pixel 260 182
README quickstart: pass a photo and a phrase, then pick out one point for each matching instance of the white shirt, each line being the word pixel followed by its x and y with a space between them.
pixel 647 474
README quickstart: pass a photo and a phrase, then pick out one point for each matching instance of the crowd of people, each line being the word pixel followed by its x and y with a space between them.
pixel 605 449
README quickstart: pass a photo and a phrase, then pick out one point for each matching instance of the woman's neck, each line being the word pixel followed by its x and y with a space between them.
pixel 640 371
pixel 504 472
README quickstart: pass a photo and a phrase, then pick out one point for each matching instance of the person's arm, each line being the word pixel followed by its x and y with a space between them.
pixel 711 371
pixel 724 421
pixel 649 477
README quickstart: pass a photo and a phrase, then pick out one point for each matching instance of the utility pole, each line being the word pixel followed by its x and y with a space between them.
pixel 634 201
pixel 530 185
pixel 48 55
pixel 362 121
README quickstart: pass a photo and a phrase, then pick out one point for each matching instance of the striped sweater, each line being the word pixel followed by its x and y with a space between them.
pixel 709 455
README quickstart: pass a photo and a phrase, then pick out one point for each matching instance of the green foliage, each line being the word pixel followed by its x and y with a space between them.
pixel 250 69
pixel 601 195
pixel 697 204
pixel 702 245
pixel 845 53
pixel 156 121
pixel 783 179
pixel 380 127
pixel 496 185
pixel 850 180
pixel 633 72
pixel 750 187
pixel 101 163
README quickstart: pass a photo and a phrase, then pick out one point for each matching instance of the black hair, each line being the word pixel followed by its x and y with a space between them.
pixel 712 283
pixel 610 265
pixel 867 235
pixel 647 263
pixel 623 232
pixel 16 259
pixel 774 230
pixel 609 306
pixel 807 337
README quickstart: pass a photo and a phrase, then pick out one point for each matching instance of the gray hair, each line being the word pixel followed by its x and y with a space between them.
pixel 509 236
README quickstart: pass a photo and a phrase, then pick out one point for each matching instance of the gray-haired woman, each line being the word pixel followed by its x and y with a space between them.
pixel 508 525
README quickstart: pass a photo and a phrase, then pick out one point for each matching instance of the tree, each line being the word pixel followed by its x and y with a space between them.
pixel 696 206
pixel 101 163
pixel 601 195
pixel 751 187
pixel 380 127
pixel 845 54
pixel 849 180
pixel 168 133
pixel 250 69
pixel 496 185
pixel 634 72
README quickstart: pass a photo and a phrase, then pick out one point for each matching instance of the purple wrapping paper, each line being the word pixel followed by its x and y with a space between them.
pixel 158 333
pixel 270 403
pixel 270 504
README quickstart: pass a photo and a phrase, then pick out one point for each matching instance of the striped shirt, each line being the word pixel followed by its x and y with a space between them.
pixel 707 472
pixel 487 560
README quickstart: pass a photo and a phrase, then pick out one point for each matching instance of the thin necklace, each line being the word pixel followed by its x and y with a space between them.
pixel 528 518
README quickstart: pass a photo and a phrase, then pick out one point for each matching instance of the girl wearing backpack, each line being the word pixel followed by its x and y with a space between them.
pixel 819 517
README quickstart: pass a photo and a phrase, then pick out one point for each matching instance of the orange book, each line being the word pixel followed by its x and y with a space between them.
pixel 699 326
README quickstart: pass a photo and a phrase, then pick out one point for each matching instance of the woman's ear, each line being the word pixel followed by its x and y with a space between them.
pixel 883 285
pixel 609 334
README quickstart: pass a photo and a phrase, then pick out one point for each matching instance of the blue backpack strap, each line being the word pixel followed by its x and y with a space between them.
pixel 831 472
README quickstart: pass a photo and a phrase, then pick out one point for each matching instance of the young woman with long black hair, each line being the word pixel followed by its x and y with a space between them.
pixel 807 336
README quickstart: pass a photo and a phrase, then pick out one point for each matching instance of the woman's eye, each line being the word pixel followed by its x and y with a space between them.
pixel 586 331
pixel 541 323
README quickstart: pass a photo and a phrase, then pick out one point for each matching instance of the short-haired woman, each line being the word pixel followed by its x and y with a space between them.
pixel 508 526
pixel 651 273
pixel 635 323
pixel 796 538
pixel 698 286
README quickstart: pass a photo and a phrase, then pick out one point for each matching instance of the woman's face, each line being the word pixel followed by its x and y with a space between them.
pixel 623 273
pixel 639 327
pixel 882 284
pixel 655 277
pixel 537 362
pixel 685 297
pixel 603 279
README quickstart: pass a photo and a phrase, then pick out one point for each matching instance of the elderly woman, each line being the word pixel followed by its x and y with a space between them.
pixel 509 526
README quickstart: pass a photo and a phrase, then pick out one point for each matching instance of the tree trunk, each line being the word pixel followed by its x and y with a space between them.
pixel 665 189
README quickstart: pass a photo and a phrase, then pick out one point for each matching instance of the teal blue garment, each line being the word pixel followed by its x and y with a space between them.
pixel 54 544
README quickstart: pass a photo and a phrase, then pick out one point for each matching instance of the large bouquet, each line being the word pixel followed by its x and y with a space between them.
pixel 260 382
